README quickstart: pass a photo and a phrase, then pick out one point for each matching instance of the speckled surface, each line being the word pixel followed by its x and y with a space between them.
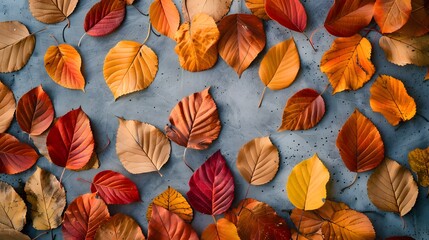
pixel 237 100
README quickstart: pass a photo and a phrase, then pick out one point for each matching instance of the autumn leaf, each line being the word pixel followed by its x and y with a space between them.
pixel 15 157
pixel 360 144
pixel 242 38
pixel 35 111
pixel 12 234
pixel 402 50
pixel 257 7
pixel 258 161
pixel 47 198
pixel 306 185
pixel 48 11
pixel 12 209
pixel 17 45
pixel 390 98
pixel 104 17
pixel 83 217
pixel 222 230
pixel 348 224
pixel 141 147
pixel 63 64
pixel 70 141
pixel 197 43
pixel 392 188
pixel 214 8
pixel 120 226
pixel 164 17
pixel 303 110
pixel 348 63
pixel 7 107
pixel 167 225
pixel 173 201
pixel 114 188
pixel 427 75
pixel 211 187
pixel 418 23
pixel 290 14
pixel 419 163
pixel 347 17
pixel 194 121
pixel 391 15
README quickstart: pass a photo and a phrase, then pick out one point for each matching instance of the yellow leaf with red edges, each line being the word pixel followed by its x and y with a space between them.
pixel 164 17
pixel 222 230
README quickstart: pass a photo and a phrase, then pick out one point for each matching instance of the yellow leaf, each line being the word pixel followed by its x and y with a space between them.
pixel 12 208
pixel 348 63
pixel 12 234
pixel 173 201
pixel 222 230
pixel 306 185
pixel 402 50
pixel 197 43
pixel 119 227
pixel 257 7
pixel 348 225
pixel 129 67
pixel 7 107
pixel 419 163
pixel 164 17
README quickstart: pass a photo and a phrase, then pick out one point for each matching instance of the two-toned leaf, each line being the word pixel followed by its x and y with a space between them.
pixel 104 17
pixel 214 8
pixel 12 209
pixel 48 11
pixel 391 15
pixel 291 13
pixel 418 23
pixel 120 226
pixel 7 107
pixel 257 7
pixel 402 50
pixel 419 163
pixel 15 157
pixel 164 17
pixel 114 188
pixel 222 230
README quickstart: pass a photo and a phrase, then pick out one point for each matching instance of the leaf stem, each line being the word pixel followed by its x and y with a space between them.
pixel 186 162
pixel 52 36
pixel 424 118
pixel 61 177
pixel 141 12
pixel 148 33
pixel 64 33
pixel 156 34
pixel 41 30
pixel 83 180
pixel 351 184
pixel 311 43
pixel 245 198
pixel 105 146
pixel 262 97
pixel 80 40
pixel 314 32
pixel 324 90
pixel 299 224
pixel 41 234
pixel 214 219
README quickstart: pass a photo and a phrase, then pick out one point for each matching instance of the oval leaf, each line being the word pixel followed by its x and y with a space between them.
pixel 12 209
pixel 35 111
pixel 222 230
pixel 7 107
pixel 129 67
pixel 15 157
pixel 303 110
pixel 120 227
pixel 390 98
pixel 402 50
pixel 348 224
pixel 164 17
pixel 47 198
pixel 214 8
pixel 211 187
pixel 306 185
pixel 419 163
pixel 290 13
pixel 12 234
pixel 70 141
pixel 392 188
pixel 48 11
pixel 257 7
pixel 360 144
pixel 391 15
pixel 194 121
pixel 104 17
pixel 115 188
pixel 141 147
pixel 17 45
pixel 418 23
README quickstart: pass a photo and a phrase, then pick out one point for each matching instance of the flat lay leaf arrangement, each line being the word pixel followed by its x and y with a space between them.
pixel 203 34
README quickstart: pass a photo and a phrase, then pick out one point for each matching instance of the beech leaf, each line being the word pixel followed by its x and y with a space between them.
pixel 12 234
pixel 289 13
pixel 7 107
pixel 119 227
pixel 104 17
pixel 12 209
pixel 419 163
pixel 257 7
pixel 164 17
pixel 418 23
pixel 114 188
pixel 216 9
pixel 391 15
pixel 15 157
pixel 348 224
pixel 48 11
pixel 402 50
pixel 222 230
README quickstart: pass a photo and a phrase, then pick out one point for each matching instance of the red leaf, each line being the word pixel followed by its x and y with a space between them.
pixel 289 13
pixel 212 186
pixel 70 141
pixel 35 111
pixel 104 17
pixel 115 188
pixel 15 157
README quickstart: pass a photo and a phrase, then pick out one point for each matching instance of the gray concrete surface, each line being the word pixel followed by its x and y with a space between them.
pixel 237 101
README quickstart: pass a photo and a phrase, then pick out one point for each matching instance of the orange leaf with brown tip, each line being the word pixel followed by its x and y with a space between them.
pixel 15 157
pixel 418 23
pixel 7 107
pixel 289 13
pixel 164 17
pixel 391 15
pixel 222 230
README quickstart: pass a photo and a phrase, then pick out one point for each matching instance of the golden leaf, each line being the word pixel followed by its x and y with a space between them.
pixel 164 17
pixel 257 7
pixel 7 107
pixel 348 225
pixel 119 227
pixel 222 230
pixel 419 163
pixel 402 50
pixel 12 209
pixel 48 11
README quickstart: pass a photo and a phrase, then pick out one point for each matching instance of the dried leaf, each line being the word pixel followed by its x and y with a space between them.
pixel 104 17
pixel 360 144
pixel 222 230
pixel 48 11
pixel 242 39
pixel 70 141
pixel 418 23
pixel 12 209
pixel 35 111
pixel 306 185
pixel 164 17
pixel 291 14
pixel 47 198
pixel 390 98
pixel 257 7
pixel 173 201
pixel 197 43
pixel 17 45
pixel 211 187
pixel 63 64
pixel 115 188
pixel 7 107
pixel 348 63
pixel 392 188
pixel 141 147
pixel 194 121
pixel 348 224
pixel 402 50
pixel 419 163
pixel 258 161
pixel 303 110
pixel 119 227
pixel 12 234
pixel 15 157
pixel 216 9
pixel 391 15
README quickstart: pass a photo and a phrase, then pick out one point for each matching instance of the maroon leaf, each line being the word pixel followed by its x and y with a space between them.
pixel 289 13
pixel 115 188
pixel 104 17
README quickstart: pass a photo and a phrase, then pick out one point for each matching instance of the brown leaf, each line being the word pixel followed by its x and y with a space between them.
pixel 402 50
pixel 119 227
pixel 391 15
pixel 419 163
pixel 12 234
pixel 12 209
pixel 418 23
pixel 216 9
pixel 48 11
pixel 164 17
pixel 7 107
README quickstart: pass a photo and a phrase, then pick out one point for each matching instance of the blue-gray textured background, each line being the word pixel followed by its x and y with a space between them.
pixel 237 100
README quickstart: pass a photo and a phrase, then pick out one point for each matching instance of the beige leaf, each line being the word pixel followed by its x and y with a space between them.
pixel 12 234
pixel 119 227
pixel 7 107
pixel 49 11
pixel 216 9
pixel 402 50
pixel 12 209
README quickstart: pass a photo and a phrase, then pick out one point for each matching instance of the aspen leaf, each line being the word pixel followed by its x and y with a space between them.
pixel 12 234
pixel 141 147
pixel 7 107
pixel 129 67
pixel 63 64
pixel 194 121
pixel 12 209
pixel 391 15
pixel 173 201
pixel 222 230
pixel 391 188
pixel 348 63
pixel 119 227
pixel 419 163
pixel 257 7
pixel 104 17
pixel 290 14
pixel 47 198
pixel 164 17
pixel 418 23
pixel 114 188
pixel 216 9
pixel 390 98
pixel 17 45
pixel 15 157
pixel 258 161
pixel 348 224
pixel 48 11
pixel 306 185
pixel 402 50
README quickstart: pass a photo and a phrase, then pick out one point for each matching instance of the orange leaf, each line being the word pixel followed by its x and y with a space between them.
pixel 257 7
pixel 348 224
pixel 391 15
pixel 418 23
pixel 289 13
pixel 15 157
pixel 242 39
pixel 390 98
pixel 303 110
pixel 119 227
pixel 164 17
pixel 214 8
pixel 7 107
pixel 222 230
pixel 63 65
pixel 348 63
